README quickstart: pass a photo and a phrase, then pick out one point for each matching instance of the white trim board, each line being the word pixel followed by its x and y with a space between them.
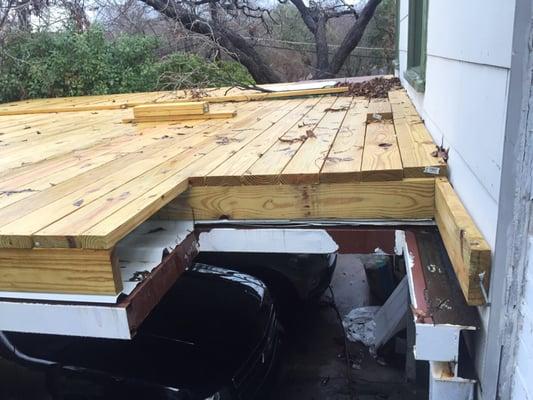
pixel 292 241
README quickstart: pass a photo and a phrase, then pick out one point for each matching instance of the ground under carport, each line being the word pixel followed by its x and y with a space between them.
pixel 313 364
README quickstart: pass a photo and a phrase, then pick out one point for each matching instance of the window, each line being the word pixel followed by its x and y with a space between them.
pixel 416 51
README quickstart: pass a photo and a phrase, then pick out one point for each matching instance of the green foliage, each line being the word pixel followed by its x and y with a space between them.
pixel 54 64
pixel 183 71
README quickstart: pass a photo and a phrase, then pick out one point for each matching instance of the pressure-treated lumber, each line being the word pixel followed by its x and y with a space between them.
pixel 184 117
pixel 59 271
pixel 343 163
pixel 468 251
pixel 415 142
pixel 169 109
pixel 86 180
pixel 210 99
pixel 274 95
pixel 410 198
pixel 381 156
pixel 379 110
pixel 230 172
pixel 268 168
pixel 305 165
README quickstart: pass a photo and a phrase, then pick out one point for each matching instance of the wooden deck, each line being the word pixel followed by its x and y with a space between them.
pixel 72 184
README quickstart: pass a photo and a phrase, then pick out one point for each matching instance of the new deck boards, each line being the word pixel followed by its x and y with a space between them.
pixel 82 180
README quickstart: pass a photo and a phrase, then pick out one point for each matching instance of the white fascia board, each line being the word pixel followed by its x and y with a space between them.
pixel 65 319
pixel 292 241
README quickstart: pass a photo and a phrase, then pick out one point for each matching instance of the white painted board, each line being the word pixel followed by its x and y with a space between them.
pixel 292 241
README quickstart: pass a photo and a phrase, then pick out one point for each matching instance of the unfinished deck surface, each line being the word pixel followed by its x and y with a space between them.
pixel 73 184
pixel 86 179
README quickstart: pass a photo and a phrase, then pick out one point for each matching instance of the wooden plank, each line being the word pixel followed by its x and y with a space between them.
pixel 410 198
pixel 345 157
pixel 231 170
pixel 305 165
pixel 44 175
pixel 469 253
pixel 115 226
pixel 274 95
pixel 269 167
pixel 212 99
pixel 229 146
pixel 190 117
pixel 381 156
pixel 415 143
pixel 126 206
pixel 19 220
pixel 59 271
pixel 184 108
pixel 379 110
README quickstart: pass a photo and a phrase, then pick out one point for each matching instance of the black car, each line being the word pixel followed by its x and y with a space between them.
pixel 213 336
pixel 293 272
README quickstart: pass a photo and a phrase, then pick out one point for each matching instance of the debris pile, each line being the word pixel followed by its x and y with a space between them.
pixel 374 88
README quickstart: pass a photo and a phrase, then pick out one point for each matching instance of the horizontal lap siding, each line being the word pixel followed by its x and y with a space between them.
pixel 469 53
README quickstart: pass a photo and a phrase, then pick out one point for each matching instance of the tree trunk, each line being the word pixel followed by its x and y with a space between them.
pixel 322 50
pixel 353 37
pixel 239 49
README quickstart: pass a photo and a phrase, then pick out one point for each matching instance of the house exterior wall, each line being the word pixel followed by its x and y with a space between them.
pixel 464 103
pixel 522 377
pixel 464 106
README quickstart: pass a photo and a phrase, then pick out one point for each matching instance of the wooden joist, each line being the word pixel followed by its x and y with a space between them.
pixel 410 198
pixel 468 251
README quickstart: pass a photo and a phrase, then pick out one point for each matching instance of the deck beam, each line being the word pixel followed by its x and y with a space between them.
pixel 406 199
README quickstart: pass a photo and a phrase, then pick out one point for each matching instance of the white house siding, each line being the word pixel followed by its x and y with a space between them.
pixel 469 45
pixel 467 73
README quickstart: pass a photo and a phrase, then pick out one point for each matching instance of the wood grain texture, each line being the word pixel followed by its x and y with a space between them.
pixel 184 117
pixel 379 110
pixel 381 155
pixel 63 106
pixel 343 163
pixel 411 198
pixel 415 143
pixel 305 165
pixel 269 168
pixel 469 253
pixel 184 108
pixel 59 271
pixel 234 167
